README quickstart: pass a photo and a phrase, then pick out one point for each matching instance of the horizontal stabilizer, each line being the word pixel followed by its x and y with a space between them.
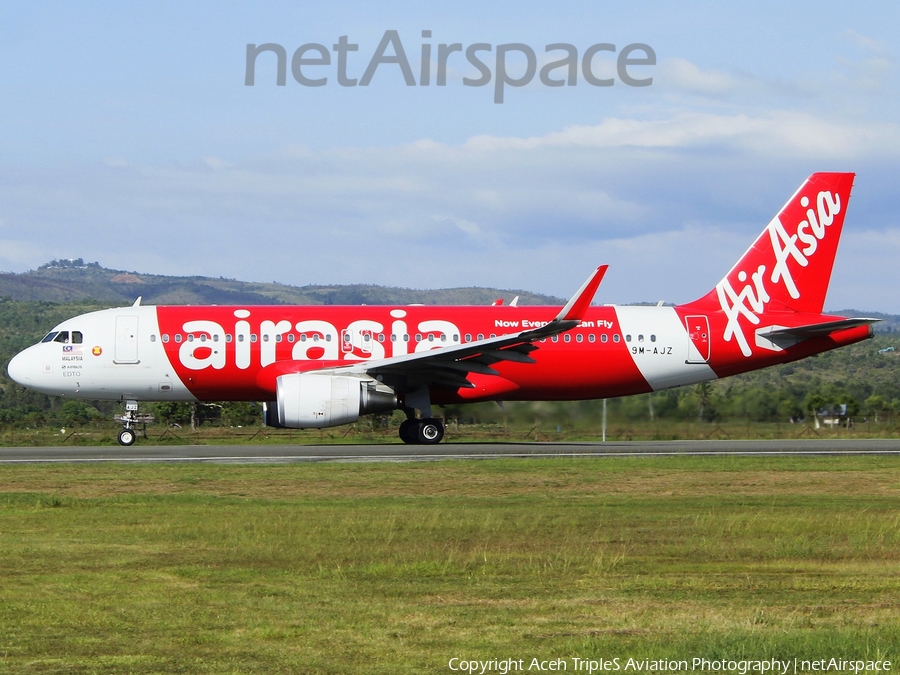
pixel 814 330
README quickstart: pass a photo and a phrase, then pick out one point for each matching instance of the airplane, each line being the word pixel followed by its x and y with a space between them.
pixel 323 366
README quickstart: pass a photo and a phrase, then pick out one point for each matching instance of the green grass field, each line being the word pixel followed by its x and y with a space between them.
pixel 397 568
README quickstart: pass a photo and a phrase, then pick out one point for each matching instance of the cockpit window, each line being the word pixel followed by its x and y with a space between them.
pixel 62 336
pixel 49 337
pixel 77 338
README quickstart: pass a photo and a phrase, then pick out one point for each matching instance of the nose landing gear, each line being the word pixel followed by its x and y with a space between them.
pixel 126 436
pixel 130 420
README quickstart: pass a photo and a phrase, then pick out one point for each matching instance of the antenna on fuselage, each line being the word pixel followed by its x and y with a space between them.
pixel 137 303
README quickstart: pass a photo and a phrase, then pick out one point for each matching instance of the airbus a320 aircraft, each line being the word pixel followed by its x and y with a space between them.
pixel 324 366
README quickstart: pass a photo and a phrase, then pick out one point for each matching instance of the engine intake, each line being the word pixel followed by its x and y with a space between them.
pixel 311 401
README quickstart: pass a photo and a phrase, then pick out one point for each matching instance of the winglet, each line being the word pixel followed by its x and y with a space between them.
pixel 577 306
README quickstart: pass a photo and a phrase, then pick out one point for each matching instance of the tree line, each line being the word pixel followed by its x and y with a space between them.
pixel 865 377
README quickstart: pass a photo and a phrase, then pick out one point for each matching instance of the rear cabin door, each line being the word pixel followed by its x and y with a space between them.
pixel 698 335
pixel 126 339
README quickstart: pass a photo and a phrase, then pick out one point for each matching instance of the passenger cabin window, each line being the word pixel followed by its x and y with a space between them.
pixel 592 338
pixel 567 337
pixel 177 337
pixel 152 338
pixel 652 338
pixel 616 338
pixel 579 338
pixel 468 337
pixel 628 338
pixel 165 337
pixel 604 338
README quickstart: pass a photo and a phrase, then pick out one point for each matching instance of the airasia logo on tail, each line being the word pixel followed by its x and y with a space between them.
pixel 789 251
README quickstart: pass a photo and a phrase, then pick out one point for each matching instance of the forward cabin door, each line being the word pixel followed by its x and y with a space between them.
pixel 126 339
pixel 698 336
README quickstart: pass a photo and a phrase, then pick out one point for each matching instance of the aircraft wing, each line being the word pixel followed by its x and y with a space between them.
pixel 449 366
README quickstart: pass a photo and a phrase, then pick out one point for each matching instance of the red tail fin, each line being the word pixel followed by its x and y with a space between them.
pixel 789 265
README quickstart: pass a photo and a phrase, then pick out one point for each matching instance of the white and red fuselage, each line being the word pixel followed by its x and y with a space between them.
pixel 326 365
pixel 185 353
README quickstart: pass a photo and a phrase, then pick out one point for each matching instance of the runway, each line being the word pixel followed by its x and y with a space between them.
pixel 282 454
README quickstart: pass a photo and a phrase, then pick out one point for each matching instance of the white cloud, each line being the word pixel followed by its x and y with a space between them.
pixel 773 134
pixel 684 75
pixel 864 41
pixel 670 203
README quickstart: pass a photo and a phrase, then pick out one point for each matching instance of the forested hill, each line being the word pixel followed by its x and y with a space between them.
pixel 73 281
pixel 65 282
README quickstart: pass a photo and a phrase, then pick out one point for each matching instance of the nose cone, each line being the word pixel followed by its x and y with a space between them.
pixel 18 369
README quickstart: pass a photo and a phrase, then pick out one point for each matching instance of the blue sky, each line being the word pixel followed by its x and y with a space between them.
pixel 130 138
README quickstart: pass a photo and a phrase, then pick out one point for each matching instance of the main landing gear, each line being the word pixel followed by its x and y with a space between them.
pixel 428 431
pixel 425 431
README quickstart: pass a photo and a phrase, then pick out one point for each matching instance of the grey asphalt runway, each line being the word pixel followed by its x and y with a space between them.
pixel 280 454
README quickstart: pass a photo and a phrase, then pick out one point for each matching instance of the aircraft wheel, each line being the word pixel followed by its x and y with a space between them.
pixel 430 431
pixel 127 437
pixel 409 431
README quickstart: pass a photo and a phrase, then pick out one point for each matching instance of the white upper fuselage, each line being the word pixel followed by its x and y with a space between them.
pixel 116 359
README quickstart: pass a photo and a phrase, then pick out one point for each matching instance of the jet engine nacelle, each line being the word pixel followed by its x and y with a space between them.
pixel 310 401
